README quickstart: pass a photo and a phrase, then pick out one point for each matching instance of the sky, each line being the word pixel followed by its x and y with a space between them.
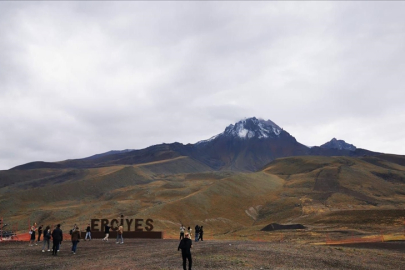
pixel 82 78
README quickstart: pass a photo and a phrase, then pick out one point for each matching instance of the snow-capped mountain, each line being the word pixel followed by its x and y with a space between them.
pixel 338 144
pixel 247 145
pixel 253 127
pixel 249 128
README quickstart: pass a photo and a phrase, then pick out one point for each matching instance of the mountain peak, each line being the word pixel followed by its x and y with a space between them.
pixel 253 128
pixel 249 128
pixel 338 144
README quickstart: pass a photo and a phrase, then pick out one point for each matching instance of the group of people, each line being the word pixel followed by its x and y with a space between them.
pixel 186 243
pixel 75 236
pixel 56 235
pixel 120 233
pixel 199 232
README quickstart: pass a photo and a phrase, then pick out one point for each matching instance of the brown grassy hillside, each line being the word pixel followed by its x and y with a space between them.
pixel 315 191
pixel 322 185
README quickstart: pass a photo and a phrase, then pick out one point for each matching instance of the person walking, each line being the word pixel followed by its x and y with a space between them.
pixel 54 228
pixel 75 239
pixel 40 232
pixel 120 233
pixel 88 233
pixel 197 231
pixel 185 246
pixel 189 231
pixel 47 237
pixel 182 229
pixel 107 232
pixel 57 236
pixel 201 234
pixel 32 233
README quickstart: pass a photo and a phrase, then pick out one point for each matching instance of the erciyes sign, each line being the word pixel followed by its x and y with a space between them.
pixel 137 225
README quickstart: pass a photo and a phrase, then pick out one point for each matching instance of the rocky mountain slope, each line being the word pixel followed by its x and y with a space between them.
pixel 247 145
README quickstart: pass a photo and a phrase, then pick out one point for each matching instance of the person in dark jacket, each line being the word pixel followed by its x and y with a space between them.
pixel 201 234
pixel 47 237
pixel 107 232
pixel 57 237
pixel 197 231
pixel 88 233
pixel 40 232
pixel 75 239
pixel 185 246
pixel 32 233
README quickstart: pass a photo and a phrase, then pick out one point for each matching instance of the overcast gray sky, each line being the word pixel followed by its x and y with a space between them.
pixel 81 78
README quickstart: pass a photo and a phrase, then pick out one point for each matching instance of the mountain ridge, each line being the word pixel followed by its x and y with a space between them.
pixel 338 144
pixel 247 145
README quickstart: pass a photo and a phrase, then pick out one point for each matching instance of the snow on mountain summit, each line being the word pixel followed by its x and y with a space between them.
pixel 250 128
pixel 253 127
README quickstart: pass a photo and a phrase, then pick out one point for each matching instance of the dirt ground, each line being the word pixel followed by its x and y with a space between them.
pixel 213 254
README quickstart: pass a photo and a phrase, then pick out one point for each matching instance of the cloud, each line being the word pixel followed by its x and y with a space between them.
pixel 80 78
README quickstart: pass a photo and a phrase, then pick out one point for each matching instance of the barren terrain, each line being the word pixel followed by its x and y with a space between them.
pixel 214 254
pixel 331 191
pixel 339 200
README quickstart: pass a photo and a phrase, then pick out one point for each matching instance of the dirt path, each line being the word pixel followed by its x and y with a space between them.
pixel 163 254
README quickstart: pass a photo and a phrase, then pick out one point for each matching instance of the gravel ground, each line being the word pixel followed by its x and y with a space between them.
pixel 215 254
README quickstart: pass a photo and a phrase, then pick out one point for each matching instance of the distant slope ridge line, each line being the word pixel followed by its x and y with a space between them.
pixel 159 161
pixel 245 146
